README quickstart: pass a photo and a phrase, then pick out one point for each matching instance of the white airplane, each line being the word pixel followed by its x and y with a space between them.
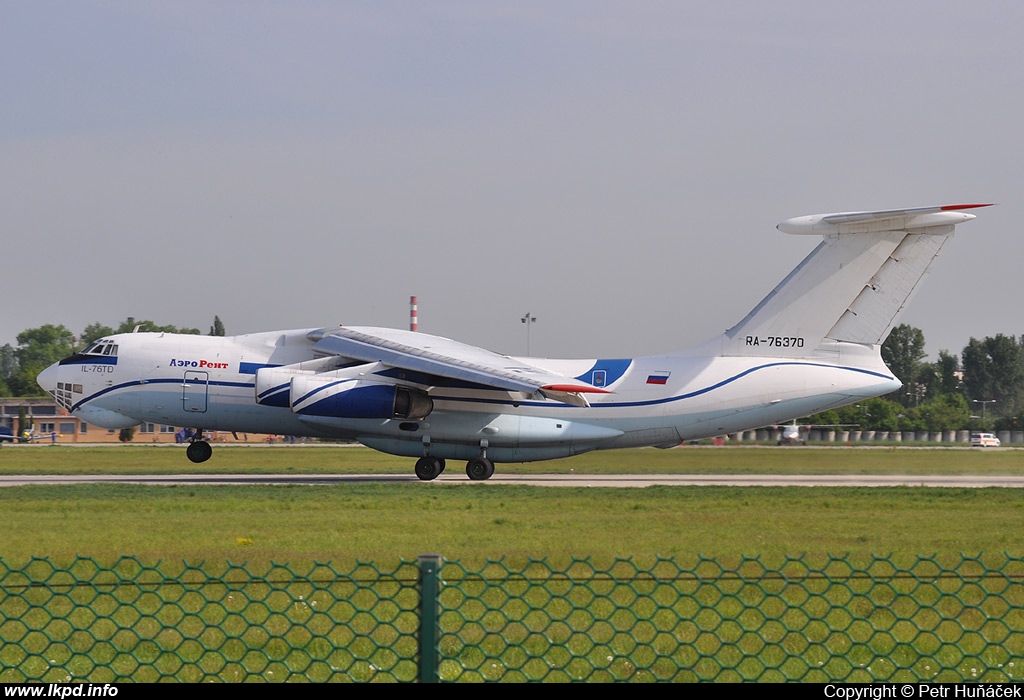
pixel 796 434
pixel 812 344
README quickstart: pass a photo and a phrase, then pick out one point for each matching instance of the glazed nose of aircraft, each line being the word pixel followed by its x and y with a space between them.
pixel 48 379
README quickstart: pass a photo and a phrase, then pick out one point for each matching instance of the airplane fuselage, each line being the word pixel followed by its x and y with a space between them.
pixel 210 383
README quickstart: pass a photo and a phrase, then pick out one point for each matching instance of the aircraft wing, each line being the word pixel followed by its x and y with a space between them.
pixel 442 357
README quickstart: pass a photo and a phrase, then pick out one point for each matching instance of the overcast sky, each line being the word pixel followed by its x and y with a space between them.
pixel 616 169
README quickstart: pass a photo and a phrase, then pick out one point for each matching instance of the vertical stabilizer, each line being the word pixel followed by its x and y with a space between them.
pixel 853 286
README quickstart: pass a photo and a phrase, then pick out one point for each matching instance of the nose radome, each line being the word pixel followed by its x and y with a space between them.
pixel 48 379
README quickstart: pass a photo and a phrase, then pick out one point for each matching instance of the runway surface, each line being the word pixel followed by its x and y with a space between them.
pixel 576 480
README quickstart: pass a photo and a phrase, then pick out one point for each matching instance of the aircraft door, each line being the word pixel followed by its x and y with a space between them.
pixel 194 391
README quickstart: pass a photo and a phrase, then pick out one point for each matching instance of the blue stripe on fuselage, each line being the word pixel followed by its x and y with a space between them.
pixel 89 360
pixel 680 397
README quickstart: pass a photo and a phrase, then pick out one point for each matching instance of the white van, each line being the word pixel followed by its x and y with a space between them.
pixel 984 440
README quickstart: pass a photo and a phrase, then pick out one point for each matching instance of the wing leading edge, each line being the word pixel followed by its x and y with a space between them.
pixel 431 354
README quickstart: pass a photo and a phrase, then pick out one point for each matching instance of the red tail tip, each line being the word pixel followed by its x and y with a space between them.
pixel 955 207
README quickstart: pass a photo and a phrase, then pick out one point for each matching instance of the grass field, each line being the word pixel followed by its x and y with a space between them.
pixel 725 619
pixel 384 522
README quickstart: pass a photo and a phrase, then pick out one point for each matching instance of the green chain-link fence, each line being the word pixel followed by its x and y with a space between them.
pixel 806 619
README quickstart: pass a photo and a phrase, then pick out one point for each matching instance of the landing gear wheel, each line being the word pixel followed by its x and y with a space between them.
pixel 479 469
pixel 428 468
pixel 199 451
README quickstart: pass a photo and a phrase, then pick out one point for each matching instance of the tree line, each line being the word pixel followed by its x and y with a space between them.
pixel 980 389
pixel 38 348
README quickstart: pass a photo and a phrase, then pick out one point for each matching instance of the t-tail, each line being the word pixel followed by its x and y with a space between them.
pixel 846 296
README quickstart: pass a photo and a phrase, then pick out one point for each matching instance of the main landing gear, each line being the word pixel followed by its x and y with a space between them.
pixel 478 469
pixel 199 450
pixel 429 468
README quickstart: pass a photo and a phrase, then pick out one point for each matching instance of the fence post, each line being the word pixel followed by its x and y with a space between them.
pixel 430 631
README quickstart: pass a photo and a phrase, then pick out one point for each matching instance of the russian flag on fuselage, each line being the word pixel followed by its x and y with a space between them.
pixel 658 377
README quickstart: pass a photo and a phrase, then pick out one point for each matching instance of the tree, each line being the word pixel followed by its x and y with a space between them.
pixel 94 331
pixel 947 412
pixel 8 366
pixel 903 352
pixel 38 348
pixel 8 361
pixel 44 345
pixel 947 374
pixel 217 328
pixel 876 414
pixel 994 372
pixel 130 324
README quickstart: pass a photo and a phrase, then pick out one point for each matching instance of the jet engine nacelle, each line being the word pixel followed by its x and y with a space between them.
pixel 357 398
pixel 273 384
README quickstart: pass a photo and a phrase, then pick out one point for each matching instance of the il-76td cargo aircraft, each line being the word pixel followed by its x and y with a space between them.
pixel 810 345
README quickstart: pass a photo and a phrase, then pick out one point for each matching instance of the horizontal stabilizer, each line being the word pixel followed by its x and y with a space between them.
pixel 853 286
pixel 877 221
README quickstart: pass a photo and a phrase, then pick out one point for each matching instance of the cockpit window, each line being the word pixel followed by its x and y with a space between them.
pixel 101 347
